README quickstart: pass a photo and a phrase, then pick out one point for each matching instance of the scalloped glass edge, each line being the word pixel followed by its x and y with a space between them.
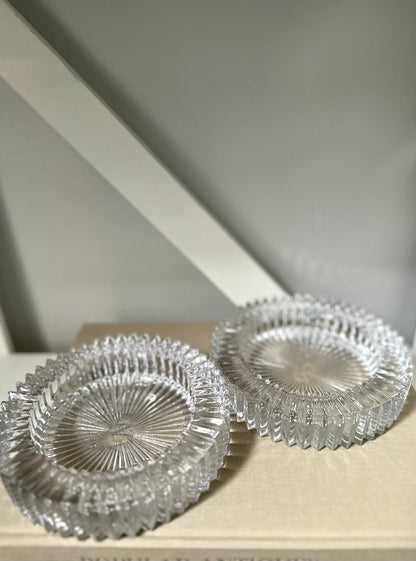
pixel 123 502
pixel 360 415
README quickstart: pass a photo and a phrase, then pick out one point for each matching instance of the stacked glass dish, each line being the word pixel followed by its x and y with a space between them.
pixel 311 372
pixel 114 437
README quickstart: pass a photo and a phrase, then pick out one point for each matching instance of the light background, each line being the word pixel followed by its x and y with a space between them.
pixel 293 122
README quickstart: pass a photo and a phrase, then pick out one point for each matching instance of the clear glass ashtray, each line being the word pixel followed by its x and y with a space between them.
pixel 311 372
pixel 116 437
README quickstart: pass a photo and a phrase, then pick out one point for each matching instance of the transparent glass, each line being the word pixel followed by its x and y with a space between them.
pixel 115 437
pixel 311 372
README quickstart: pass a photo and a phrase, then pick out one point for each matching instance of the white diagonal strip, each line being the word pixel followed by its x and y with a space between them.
pixel 5 341
pixel 40 77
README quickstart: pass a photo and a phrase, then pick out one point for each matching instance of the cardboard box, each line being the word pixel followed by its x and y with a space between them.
pixel 270 502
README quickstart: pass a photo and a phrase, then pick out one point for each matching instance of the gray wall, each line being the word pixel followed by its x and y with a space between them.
pixel 294 122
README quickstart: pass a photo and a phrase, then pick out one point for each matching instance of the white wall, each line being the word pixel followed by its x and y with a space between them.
pixel 293 121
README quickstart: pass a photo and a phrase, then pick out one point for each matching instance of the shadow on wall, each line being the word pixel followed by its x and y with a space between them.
pixel 15 299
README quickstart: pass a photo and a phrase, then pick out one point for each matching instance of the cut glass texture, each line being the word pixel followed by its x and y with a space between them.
pixel 311 372
pixel 115 437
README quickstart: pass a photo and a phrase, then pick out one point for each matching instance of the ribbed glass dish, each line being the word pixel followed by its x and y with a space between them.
pixel 115 437
pixel 311 372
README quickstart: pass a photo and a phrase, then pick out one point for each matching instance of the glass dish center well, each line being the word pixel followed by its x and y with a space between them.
pixel 307 361
pixel 114 422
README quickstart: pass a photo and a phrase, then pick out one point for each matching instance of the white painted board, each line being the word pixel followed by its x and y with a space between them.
pixel 5 341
